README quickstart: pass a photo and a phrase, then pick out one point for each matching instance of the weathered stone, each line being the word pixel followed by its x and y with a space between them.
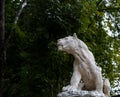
pixel 78 93
pixel 87 76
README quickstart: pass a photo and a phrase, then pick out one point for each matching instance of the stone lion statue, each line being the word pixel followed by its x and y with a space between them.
pixel 86 74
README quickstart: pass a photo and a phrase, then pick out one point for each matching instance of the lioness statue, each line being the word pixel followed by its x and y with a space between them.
pixel 86 74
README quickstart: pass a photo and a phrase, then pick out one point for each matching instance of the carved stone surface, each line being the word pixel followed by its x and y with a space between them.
pixel 86 75
pixel 78 93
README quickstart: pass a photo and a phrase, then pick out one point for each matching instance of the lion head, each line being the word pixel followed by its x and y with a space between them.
pixel 68 44
pixel 73 45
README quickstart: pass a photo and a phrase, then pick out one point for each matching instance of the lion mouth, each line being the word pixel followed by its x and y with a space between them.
pixel 60 46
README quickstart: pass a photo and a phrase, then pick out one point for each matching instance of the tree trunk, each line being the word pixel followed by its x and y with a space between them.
pixel 2 36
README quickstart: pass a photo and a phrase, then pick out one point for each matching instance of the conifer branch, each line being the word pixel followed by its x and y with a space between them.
pixel 110 9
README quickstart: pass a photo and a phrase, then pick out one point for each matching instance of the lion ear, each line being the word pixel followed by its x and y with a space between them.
pixel 74 35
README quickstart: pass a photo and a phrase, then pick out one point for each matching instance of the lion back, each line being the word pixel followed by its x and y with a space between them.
pixel 85 52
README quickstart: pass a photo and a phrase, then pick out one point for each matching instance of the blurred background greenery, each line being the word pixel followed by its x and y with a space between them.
pixel 34 66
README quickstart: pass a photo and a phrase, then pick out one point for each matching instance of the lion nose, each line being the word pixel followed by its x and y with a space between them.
pixel 58 40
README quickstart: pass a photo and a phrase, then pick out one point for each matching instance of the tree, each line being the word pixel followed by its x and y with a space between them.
pixel 111 22
pixel 35 62
pixel 2 37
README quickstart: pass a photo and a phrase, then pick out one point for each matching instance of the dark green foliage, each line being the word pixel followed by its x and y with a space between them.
pixel 35 68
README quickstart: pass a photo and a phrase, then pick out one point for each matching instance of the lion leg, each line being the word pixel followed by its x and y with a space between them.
pixel 75 80
pixel 99 83
pixel 106 87
pixel 81 85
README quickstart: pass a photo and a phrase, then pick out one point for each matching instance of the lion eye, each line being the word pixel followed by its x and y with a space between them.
pixel 66 38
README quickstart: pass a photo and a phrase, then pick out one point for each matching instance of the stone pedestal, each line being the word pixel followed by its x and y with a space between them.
pixel 78 93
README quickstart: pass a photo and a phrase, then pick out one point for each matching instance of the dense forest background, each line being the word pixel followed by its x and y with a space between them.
pixel 34 67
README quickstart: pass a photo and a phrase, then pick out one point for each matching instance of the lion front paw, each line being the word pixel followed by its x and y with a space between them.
pixel 69 88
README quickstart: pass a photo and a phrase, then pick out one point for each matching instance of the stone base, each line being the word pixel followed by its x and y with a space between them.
pixel 79 93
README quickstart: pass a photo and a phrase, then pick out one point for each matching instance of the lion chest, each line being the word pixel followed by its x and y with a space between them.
pixel 87 75
pixel 85 72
